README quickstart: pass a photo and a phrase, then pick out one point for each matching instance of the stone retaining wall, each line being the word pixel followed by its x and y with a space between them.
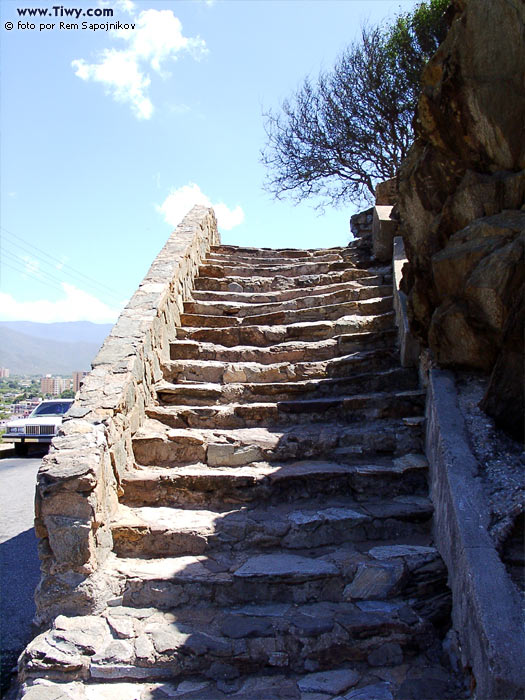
pixel 78 481
pixel 486 611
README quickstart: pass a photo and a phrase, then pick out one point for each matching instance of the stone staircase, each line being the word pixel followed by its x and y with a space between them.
pixel 273 539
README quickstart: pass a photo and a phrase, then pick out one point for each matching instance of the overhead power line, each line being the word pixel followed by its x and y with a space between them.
pixel 24 265
pixel 78 276
pixel 36 279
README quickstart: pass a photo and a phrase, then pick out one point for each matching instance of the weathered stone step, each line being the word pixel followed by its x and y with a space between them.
pixel 367 307
pixel 284 269
pixel 146 643
pixel 349 681
pixel 279 257
pixel 275 283
pixel 355 681
pixel 286 294
pixel 172 532
pixel 344 409
pixel 287 352
pixel 240 309
pixel 215 371
pixel 157 445
pixel 202 485
pixel 255 253
pixel 265 261
pixel 272 682
pixel 310 331
pixel 206 394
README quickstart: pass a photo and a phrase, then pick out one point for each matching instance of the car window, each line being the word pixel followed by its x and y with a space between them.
pixel 57 408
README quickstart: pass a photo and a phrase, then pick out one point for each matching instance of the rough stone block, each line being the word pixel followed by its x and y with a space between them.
pixel 383 232
pixel 408 345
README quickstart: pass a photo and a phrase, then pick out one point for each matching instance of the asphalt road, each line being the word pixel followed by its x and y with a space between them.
pixel 19 565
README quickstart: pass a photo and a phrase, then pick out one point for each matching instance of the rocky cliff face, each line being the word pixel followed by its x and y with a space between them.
pixel 461 202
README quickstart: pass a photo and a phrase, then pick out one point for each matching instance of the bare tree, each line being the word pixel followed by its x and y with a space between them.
pixel 338 137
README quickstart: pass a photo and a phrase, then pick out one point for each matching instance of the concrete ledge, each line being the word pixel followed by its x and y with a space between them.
pixel 383 231
pixel 408 345
pixel 7 450
pixel 486 610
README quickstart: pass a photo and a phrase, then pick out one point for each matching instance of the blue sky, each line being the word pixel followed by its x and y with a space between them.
pixel 107 138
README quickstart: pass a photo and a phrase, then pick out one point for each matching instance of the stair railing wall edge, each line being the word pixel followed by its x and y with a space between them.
pixel 486 607
pixel 486 612
pixel 78 481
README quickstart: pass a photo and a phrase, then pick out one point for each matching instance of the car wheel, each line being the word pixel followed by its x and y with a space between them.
pixel 20 449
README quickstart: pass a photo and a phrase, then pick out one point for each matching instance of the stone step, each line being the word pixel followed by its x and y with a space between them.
pixel 273 538
pixel 285 294
pixel 242 309
pixel 206 394
pixel 256 261
pixel 295 256
pixel 144 642
pixel 420 673
pixel 311 331
pixel 284 269
pixel 255 253
pixel 163 531
pixel 216 371
pixel 287 352
pixel 202 485
pixel 367 307
pixel 344 409
pixel 155 444
pixel 260 284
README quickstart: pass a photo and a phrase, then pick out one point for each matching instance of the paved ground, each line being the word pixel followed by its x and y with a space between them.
pixel 19 565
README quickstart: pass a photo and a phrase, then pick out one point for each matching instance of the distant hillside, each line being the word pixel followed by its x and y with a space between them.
pixel 50 348
pixel 68 331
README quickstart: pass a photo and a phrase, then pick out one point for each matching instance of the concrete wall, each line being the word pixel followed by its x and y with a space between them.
pixel 78 482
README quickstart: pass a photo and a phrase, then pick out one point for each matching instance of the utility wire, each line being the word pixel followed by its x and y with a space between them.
pixel 41 276
pixel 67 269
pixel 37 279
pixel 38 273
pixel 54 259
pixel 74 275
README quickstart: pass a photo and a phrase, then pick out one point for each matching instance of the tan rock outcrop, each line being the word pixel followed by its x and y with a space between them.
pixel 461 198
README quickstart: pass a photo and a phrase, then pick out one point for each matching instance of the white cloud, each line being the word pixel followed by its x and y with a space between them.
pixel 125 6
pixel 155 39
pixel 228 218
pixel 76 305
pixel 178 203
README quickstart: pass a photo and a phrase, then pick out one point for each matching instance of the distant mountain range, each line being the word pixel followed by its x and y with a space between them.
pixel 50 348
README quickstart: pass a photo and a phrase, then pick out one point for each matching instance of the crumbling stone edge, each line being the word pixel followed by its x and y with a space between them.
pixel 408 345
pixel 78 481
pixel 486 612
